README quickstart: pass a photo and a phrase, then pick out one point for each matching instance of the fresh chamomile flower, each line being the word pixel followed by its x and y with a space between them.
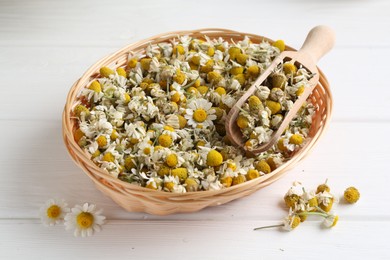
pixel 199 112
pixel 84 220
pixel 53 212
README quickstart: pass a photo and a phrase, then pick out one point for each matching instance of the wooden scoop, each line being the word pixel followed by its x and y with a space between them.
pixel 318 42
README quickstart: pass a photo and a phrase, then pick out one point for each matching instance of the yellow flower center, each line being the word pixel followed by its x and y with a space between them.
pixel 121 72
pixel 127 97
pixel 182 173
pixel 147 150
pixel 232 165
pixel 169 185
pixel 132 63
pixel 101 141
pixel 53 211
pixel 106 72
pixel 242 121
pixel 254 103
pixel 191 184
pixel 85 220
pixel 296 139
pixel 200 115
pixel 182 121
pixel 273 106
pixel 253 71
pixel 172 160
pixel 252 174
pixel 95 86
pixel 108 157
pixel 129 163
pixel 351 195
pixel 175 97
pixel 165 140
pixel 280 45
pixel 227 181
pixel 336 219
pixel 295 221
pixel 169 128
pixel 289 68
pixel 240 78
pixel 238 179
pixel 236 70
pixel 114 135
pixel 220 91
pixel 300 90
pixel 202 89
pixel 263 166
pixel 214 158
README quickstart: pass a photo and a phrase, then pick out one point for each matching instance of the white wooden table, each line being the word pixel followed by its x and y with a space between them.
pixel 46 45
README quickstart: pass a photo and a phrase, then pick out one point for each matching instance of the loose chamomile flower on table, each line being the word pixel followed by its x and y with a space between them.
pixel 53 212
pixel 84 220
pixel 351 195
pixel 330 221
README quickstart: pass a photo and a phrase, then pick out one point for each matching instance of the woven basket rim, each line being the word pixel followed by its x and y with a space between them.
pixel 277 173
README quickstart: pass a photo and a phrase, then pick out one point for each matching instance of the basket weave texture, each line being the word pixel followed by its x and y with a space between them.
pixel 139 199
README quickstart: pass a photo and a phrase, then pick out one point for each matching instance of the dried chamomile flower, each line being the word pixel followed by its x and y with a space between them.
pixel 159 122
pixel 331 221
pixel 280 45
pixel 290 222
pixel 323 187
pixel 303 203
pixel 351 195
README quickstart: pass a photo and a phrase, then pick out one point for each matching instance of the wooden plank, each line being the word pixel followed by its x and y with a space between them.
pixel 197 240
pixel 36 167
pixel 53 23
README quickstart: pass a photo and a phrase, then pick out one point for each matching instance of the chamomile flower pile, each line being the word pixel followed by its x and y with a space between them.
pixel 302 203
pixel 159 121
pixel 264 111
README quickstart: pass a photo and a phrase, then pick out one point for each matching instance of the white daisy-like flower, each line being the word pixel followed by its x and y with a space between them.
pixel 84 220
pixel 53 212
pixel 200 113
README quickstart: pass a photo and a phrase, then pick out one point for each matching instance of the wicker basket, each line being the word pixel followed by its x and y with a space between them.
pixel 140 199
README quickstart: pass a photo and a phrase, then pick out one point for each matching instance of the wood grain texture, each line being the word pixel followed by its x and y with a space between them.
pixel 45 46
pixel 196 240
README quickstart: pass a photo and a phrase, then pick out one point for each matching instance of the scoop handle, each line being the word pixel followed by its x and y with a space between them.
pixel 319 41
